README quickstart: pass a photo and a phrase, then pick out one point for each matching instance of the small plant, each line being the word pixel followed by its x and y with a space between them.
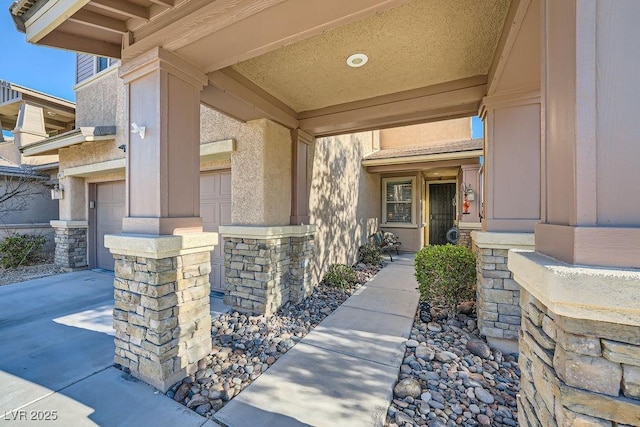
pixel 370 254
pixel 446 275
pixel 20 249
pixel 339 276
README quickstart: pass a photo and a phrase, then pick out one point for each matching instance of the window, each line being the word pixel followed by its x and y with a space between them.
pixel 398 207
pixel 102 63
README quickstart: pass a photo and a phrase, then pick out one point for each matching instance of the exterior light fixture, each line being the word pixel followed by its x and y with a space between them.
pixel 140 130
pixel 357 60
pixel 57 192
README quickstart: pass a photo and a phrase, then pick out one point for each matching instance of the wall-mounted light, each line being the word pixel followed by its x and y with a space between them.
pixel 57 192
pixel 140 130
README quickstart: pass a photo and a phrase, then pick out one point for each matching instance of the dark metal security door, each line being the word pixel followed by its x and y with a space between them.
pixel 442 211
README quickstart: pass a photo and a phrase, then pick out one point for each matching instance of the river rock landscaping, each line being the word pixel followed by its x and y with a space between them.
pixel 450 377
pixel 245 346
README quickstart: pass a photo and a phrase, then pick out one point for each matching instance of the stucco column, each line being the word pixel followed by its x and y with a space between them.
pixel 163 173
pixel 162 260
pixel 300 141
pixel 579 342
pixel 512 206
pixel 71 229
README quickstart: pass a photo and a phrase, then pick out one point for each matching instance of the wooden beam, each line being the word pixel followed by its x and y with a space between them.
pixel 81 44
pixel 167 3
pixel 460 98
pixel 233 107
pixel 123 8
pixel 102 22
pixel 434 164
pixel 49 17
pixel 238 86
pixel 512 25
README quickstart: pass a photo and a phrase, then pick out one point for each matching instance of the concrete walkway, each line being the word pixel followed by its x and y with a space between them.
pixel 343 372
pixel 56 356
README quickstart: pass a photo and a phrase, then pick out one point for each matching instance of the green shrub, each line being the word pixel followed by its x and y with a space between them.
pixel 339 276
pixel 370 254
pixel 446 275
pixel 20 249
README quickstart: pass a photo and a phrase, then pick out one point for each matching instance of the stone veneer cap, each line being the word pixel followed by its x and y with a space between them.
pixel 266 232
pixel 69 224
pixel 582 292
pixel 157 247
pixel 494 240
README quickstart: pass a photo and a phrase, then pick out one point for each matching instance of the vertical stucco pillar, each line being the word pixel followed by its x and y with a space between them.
pixel 470 179
pixel 267 259
pixel 29 129
pixel 512 206
pixel 162 260
pixel 581 316
pixel 300 141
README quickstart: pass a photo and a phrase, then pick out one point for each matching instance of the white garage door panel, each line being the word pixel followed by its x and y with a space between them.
pixel 109 213
pixel 215 209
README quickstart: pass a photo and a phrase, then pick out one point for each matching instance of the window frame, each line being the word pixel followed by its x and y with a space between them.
pixel 399 179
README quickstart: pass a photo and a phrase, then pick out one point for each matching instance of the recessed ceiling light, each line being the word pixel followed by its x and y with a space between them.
pixel 357 60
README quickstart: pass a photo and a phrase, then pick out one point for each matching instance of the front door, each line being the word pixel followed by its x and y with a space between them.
pixel 442 211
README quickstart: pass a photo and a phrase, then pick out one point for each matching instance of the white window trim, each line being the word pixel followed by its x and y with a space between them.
pixel 413 223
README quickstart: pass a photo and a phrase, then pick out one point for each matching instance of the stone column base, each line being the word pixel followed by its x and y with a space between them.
pixel 162 311
pixel 498 295
pixel 71 244
pixel 579 343
pixel 464 233
pixel 265 267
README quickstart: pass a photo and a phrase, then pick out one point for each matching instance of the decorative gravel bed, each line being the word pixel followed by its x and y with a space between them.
pixel 450 377
pixel 28 272
pixel 244 346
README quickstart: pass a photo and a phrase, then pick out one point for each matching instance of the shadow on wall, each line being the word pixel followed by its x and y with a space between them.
pixel 344 201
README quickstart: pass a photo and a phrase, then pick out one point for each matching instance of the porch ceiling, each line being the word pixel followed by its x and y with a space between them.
pixel 419 44
pixel 286 59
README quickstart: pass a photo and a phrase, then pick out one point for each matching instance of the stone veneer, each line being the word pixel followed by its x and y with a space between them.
pixel 71 244
pixel 580 349
pixel 497 294
pixel 162 313
pixel 265 267
pixel 464 233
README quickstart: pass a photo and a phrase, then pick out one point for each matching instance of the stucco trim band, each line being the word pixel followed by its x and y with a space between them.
pixel 423 158
pixel 69 224
pixel 218 150
pixel 492 240
pixel 264 233
pixel 97 168
pixel 581 292
pixel 469 225
pixel 158 247
pixel 74 137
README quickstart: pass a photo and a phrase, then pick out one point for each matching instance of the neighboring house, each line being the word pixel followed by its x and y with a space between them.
pixel 555 83
pixel 30 116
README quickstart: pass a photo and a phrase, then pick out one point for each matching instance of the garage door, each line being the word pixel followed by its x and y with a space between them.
pixel 109 210
pixel 215 209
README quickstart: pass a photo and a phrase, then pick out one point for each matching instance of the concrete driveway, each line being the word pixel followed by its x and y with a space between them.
pixel 56 356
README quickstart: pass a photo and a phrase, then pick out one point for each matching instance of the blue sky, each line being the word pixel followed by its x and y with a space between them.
pixel 45 69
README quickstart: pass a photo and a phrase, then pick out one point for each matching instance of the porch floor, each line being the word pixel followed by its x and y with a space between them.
pixel 343 372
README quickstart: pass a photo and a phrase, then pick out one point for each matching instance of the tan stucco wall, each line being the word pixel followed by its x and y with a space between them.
pixel 96 102
pixel 344 202
pixel 89 153
pixel 261 178
pixel 426 134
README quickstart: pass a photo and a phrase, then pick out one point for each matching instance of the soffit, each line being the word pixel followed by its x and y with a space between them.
pixel 419 44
